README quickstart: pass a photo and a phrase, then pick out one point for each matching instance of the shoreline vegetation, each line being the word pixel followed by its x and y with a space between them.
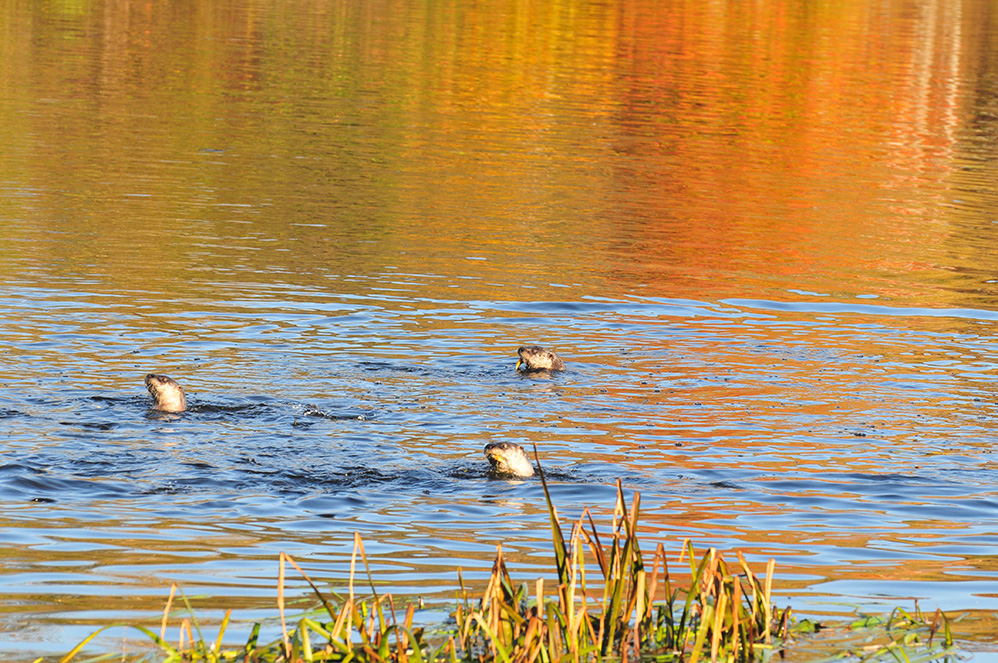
pixel 632 612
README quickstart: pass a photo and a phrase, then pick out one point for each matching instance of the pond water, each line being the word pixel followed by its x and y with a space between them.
pixel 762 235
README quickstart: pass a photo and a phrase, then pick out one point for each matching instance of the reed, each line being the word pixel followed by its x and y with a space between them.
pixel 629 612
pixel 624 613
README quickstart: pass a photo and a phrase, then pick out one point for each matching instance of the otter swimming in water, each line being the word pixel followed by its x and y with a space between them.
pixel 536 358
pixel 167 395
pixel 508 458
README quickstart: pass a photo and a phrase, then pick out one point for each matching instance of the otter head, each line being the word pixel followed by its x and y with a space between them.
pixel 167 395
pixel 508 458
pixel 536 358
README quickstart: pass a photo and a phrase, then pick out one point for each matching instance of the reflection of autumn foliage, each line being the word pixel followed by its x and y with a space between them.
pixel 684 146
pixel 785 129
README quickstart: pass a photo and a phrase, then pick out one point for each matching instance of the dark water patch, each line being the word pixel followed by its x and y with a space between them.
pixel 301 480
pixel 290 480
pixel 23 482
pixel 238 409
pixel 111 400
pixel 262 413
pixel 110 463
pixel 350 477
pixel 726 485
pixel 18 469
pixel 91 425
pixel 197 465
pixel 392 367
pixel 165 489
pixel 349 415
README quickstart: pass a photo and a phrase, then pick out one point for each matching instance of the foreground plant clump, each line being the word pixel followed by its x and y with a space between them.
pixel 722 615
pixel 715 615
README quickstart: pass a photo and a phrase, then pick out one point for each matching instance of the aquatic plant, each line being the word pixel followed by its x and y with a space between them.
pixel 902 636
pixel 716 616
pixel 724 614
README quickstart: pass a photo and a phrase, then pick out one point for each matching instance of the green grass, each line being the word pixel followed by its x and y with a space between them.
pixel 621 610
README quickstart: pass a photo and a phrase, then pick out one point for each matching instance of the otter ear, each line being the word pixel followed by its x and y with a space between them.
pixel 551 356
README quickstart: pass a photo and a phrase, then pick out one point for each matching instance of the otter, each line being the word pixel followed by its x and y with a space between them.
pixel 167 395
pixel 536 358
pixel 508 458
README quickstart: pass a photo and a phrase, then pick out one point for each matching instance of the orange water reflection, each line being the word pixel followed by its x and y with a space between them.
pixel 677 145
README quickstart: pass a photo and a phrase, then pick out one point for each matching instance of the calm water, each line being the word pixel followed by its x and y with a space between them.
pixel 762 235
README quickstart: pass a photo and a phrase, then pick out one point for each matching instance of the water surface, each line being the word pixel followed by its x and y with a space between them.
pixel 761 236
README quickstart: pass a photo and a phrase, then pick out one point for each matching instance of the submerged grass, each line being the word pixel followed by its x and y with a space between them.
pixel 724 614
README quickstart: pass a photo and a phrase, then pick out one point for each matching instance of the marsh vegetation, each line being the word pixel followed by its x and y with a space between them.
pixel 623 609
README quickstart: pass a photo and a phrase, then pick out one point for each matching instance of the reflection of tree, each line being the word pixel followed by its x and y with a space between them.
pixel 683 146
pixel 789 131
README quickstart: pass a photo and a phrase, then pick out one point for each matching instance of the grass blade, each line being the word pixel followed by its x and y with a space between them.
pixel 560 550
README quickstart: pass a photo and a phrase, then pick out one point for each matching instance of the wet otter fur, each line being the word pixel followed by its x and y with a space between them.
pixel 536 358
pixel 167 394
pixel 508 458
